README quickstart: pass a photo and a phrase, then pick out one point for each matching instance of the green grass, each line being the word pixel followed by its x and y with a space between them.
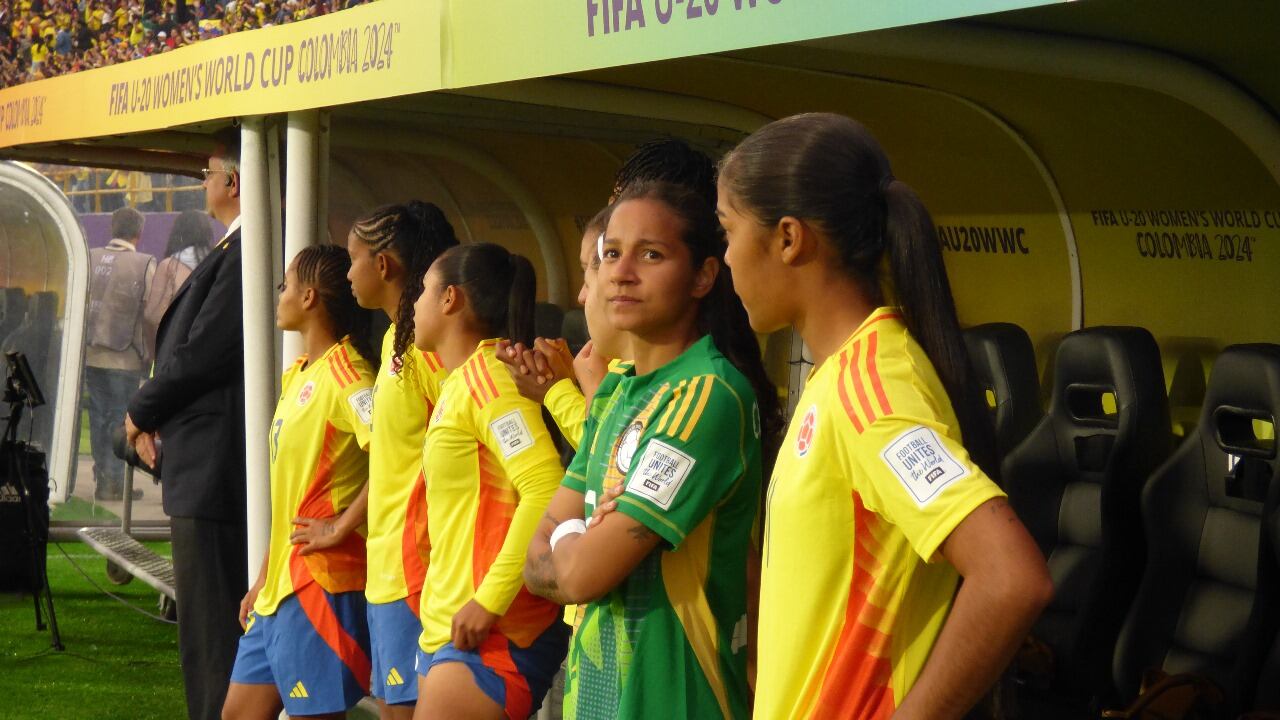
pixel 117 663
pixel 86 448
pixel 77 510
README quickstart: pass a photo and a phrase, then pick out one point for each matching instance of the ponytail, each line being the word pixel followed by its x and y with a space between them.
pixel 500 287
pixel 521 300
pixel 831 172
pixel 923 294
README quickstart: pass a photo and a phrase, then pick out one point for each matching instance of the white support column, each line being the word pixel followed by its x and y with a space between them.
pixel 259 331
pixel 301 199
pixel 322 183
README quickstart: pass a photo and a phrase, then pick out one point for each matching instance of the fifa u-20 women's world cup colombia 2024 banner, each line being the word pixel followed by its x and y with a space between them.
pixel 401 47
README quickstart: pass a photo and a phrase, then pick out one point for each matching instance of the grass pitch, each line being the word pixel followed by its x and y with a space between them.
pixel 117 664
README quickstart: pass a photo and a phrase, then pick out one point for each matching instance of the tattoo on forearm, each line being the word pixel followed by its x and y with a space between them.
pixel 540 577
pixel 640 533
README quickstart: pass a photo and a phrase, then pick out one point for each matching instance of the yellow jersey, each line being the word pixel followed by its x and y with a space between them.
pixel 870 480
pixel 319 463
pixel 491 471
pixel 568 408
pixel 405 395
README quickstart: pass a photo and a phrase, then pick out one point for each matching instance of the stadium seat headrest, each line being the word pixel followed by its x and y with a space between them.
pixel 1243 400
pixel 1123 362
pixel 1005 348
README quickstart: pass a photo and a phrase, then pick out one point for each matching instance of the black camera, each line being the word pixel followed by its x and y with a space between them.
pixel 22 385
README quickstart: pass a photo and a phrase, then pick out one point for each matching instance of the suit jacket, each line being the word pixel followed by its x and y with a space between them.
pixel 195 399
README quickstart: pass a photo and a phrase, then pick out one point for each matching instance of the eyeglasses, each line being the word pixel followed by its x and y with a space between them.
pixel 206 172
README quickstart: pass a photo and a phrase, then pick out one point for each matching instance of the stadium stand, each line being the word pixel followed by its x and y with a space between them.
pixel 44 38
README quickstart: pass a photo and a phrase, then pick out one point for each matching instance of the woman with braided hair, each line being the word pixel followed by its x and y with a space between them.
pixel 306 641
pixel 391 249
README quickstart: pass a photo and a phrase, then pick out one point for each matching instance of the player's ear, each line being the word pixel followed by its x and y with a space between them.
pixel 452 300
pixel 310 298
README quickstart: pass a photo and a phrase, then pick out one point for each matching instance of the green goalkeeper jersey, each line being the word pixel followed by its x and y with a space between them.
pixel 670 640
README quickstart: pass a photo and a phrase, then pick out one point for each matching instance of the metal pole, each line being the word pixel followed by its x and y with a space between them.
pixel 259 332
pixel 300 200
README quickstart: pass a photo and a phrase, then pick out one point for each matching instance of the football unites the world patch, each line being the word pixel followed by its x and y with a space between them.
pixel 512 434
pixel 922 463
pixel 660 473
pixel 362 402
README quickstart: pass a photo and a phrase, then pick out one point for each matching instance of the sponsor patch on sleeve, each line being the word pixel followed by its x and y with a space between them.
pixel 922 463
pixel 512 434
pixel 660 473
pixel 362 402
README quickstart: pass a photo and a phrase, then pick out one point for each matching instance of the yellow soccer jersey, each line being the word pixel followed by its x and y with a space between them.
pixel 568 408
pixel 319 463
pixel 491 471
pixel 870 480
pixel 405 395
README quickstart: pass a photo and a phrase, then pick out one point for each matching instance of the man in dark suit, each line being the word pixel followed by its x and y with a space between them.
pixel 192 410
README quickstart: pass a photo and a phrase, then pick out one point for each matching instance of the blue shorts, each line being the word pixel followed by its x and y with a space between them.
pixel 514 677
pixel 394 630
pixel 314 649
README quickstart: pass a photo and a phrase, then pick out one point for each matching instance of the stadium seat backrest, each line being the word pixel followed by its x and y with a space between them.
pixel 38 339
pixel 13 307
pixel 547 320
pixel 1267 697
pixel 574 329
pixel 1005 363
pixel 1075 482
pixel 1208 599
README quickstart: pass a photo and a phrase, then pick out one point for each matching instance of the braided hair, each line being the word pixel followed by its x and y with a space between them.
pixel 670 161
pixel 323 268
pixel 417 232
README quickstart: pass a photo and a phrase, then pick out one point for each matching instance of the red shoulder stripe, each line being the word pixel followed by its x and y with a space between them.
pixel 337 374
pixel 355 374
pixel 874 374
pixel 488 379
pixel 855 377
pixel 844 394
pixel 479 383
pixel 433 362
pixel 471 388
pixel 344 364
pixel 885 316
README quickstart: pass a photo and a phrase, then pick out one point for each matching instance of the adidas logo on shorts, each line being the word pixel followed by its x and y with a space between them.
pixel 298 692
pixel 394 678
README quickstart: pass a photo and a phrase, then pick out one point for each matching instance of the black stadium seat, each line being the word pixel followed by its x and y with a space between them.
pixel 574 329
pixel 1075 482
pixel 37 337
pixel 1005 363
pixel 1267 697
pixel 13 307
pixel 547 320
pixel 1208 599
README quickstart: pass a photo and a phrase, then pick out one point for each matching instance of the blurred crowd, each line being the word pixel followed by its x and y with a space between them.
pixel 44 38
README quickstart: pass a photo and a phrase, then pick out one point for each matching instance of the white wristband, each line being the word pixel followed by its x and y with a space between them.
pixel 573 526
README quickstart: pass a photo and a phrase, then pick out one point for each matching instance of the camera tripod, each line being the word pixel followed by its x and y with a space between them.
pixel 15 455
